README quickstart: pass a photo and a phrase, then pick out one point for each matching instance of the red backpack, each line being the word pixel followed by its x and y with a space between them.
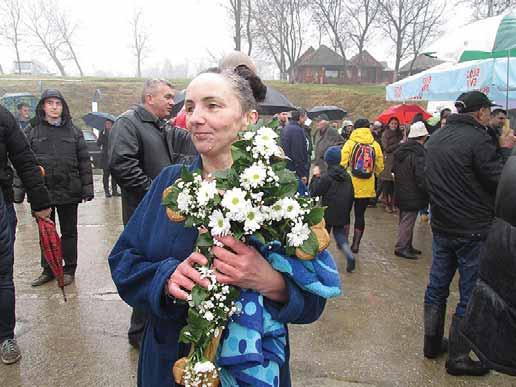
pixel 362 161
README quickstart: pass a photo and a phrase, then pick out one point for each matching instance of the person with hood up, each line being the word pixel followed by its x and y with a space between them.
pixel 391 139
pixel 324 137
pixel 490 320
pixel 409 187
pixel 363 157
pixel 61 150
pixel 336 191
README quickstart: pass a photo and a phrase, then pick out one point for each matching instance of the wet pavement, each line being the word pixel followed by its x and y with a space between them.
pixel 370 336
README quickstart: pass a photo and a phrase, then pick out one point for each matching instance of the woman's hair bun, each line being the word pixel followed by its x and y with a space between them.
pixel 257 86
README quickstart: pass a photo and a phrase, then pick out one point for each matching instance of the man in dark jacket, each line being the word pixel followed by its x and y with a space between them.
pixel 462 173
pixel 140 146
pixel 409 187
pixel 103 142
pixel 14 147
pixel 490 320
pixel 294 143
pixel 61 150
pixel 502 141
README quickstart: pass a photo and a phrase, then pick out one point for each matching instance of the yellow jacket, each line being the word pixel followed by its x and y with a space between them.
pixel 364 188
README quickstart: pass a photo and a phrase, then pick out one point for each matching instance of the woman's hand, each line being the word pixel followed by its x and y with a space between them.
pixel 241 265
pixel 185 277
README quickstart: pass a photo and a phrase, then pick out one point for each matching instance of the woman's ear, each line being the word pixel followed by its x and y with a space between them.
pixel 252 117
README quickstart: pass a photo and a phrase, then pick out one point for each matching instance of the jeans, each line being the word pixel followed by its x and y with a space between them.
pixel 68 223
pixel 449 254
pixel 7 235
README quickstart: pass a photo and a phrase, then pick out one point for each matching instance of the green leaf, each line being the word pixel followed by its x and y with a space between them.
pixel 315 216
pixel 260 237
pixel 199 294
pixel 291 251
pixel 239 154
pixel 186 175
pixel 204 240
pixel 311 245
pixel 190 221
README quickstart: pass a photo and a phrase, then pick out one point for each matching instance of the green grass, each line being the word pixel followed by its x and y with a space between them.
pixel 118 94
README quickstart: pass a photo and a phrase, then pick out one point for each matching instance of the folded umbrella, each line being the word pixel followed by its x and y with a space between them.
pixel 97 120
pixel 51 247
pixel 404 113
pixel 334 113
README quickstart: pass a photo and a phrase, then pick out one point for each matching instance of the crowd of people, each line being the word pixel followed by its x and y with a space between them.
pixel 450 172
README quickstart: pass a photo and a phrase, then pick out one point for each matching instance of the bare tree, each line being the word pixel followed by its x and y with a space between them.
pixel 329 16
pixel 236 13
pixel 10 27
pixel 487 8
pixel 42 23
pixel 240 12
pixel 426 27
pixel 67 28
pixel 140 40
pixel 279 31
pixel 248 12
pixel 399 17
pixel 361 16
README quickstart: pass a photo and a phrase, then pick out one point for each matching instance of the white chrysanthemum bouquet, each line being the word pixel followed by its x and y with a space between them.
pixel 256 198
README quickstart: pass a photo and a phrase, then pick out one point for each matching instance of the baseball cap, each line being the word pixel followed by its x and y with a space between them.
pixel 322 117
pixel 473 101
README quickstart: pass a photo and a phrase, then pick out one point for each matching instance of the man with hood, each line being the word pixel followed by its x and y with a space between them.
pixel 141 144
pixel 61 150
pixel 462 172
pixel 363 157
pixel 410 190
pixel 325 137
pixel 490 321
pixel 14 148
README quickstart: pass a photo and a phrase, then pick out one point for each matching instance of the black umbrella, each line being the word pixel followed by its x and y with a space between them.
pixel 333 112
pixel 97 120
pixel 274 102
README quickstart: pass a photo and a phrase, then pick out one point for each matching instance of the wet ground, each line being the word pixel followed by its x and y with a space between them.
pixel 370 336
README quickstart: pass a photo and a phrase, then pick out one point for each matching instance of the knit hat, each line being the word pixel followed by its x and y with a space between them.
pixel 332 155
pixel 362 123
pixel 418 129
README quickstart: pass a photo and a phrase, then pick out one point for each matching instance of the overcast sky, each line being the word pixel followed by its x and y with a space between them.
pixel 183 31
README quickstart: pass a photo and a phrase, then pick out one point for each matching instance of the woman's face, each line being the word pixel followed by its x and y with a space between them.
pixel 393 124
pixel 213 114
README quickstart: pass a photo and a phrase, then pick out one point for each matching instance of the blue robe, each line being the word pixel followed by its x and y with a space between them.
pixel 146 254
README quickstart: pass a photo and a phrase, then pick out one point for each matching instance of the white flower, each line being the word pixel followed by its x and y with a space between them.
pixel 184 200
pixel 209 316
pixel 265 144
pixel 254 176
pixel 204 367
pixel 298 235
pixel 253 220
pixel 248 135
pixel 206 192
pixel 291 208
pixel 275 212
pixel 266 134
pixel 234 200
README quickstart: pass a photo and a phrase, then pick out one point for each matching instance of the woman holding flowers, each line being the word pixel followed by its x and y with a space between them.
pixel 154 265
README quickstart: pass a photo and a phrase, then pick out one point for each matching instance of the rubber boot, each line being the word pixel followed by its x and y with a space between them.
pixel 434 344
pixel 459 363
pixel 357 237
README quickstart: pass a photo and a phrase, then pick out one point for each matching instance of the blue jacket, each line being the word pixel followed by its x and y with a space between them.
pixel 146 254
pixel 294 143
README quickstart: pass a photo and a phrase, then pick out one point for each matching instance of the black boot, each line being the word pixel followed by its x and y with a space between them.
pixel 405 253
pixel 435 344
pixel 459 363
pixel 357 237
pixel 415 251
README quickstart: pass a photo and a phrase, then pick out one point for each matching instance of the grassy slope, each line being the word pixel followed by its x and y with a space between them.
pixel 120 93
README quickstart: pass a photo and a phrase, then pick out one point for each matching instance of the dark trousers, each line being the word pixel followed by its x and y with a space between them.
pixel 68 223
pixel 406 229
pixel 7 236
pixel 450 253
pixel 105 181
pixel 360 207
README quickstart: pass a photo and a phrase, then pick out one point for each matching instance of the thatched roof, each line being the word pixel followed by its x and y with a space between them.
pixel 323 56
pixel 423 62
pixel 367 60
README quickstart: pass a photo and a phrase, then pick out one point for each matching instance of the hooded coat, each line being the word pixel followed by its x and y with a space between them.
pixel 364 188
pixel 322 141
pixel 336 191
pixel 490 320
pixel 62 151
pixel 391 140
pixel 409 175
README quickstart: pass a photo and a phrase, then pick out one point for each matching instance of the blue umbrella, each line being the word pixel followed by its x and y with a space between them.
pixel 97 120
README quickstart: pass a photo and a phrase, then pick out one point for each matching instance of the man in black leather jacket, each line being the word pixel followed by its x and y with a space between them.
pixel 14 147
pixel 61 150
pixel 140 146
pixel 462 171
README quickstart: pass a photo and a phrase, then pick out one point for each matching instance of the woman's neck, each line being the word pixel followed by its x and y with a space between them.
pixel 214 164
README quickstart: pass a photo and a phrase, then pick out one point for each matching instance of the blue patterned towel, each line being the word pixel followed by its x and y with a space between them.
pixel 253 345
